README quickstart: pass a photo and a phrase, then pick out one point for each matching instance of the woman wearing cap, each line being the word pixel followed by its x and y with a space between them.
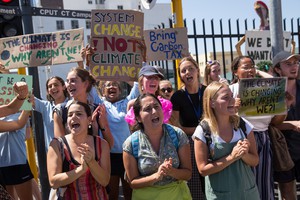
pixel 187 111
pixel 212 73
pixel 244 67
pixel 149 78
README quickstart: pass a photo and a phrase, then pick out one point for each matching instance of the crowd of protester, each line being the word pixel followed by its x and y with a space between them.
pixel 158 142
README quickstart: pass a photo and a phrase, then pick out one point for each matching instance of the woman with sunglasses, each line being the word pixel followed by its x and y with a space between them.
pixel 166 89
pixel 212 72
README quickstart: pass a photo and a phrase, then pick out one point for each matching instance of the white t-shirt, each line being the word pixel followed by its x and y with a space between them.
pixel 237 134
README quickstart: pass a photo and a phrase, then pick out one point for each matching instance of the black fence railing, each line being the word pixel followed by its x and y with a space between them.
pixel 217 40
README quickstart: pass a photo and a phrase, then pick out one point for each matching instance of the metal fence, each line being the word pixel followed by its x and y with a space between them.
pixel 219 38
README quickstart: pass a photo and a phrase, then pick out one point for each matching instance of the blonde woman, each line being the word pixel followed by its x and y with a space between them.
pixel 226 161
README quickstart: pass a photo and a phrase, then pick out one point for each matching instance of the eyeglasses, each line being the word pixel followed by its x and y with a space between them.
pixel 247 68
pixel 211 62
pixel 113 84
pixel 290 64
pixel 168 89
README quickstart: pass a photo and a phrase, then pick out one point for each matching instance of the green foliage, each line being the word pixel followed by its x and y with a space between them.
pixel 264 65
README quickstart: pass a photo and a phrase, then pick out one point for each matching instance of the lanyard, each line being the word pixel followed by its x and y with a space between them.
pixel 197 110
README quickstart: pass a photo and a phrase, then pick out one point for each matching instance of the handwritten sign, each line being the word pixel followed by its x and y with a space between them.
pixel 116 35
pixel 258 45
pixel 262 96
pixel 166 44
pixel 41 49
pixel 7 91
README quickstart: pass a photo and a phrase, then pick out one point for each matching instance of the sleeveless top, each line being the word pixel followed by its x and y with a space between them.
pixel 85 187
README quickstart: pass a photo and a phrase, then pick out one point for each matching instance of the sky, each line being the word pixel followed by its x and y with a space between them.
pixel 231 9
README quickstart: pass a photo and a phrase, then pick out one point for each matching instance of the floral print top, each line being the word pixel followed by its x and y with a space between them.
pixel 148 160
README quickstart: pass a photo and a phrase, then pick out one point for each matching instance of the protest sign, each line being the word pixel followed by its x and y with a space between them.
pixel 117 39
pixel 262 96
pixel 41 49
pixel 166 44
pixel 7 91
pixel 258 45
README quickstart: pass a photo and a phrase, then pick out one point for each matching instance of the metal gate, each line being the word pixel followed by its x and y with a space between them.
pixel 217 40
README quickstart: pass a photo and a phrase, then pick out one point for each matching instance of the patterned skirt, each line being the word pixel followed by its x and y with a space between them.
pixel 264 170
pixel 196 183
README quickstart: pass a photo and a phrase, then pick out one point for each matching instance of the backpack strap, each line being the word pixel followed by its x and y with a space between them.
pixel 97 145
pixel 135 139
pixel 242 126
pixel 61 147
pixel 135 143
pixel 64 112
pixel 173 135
pixel 207 135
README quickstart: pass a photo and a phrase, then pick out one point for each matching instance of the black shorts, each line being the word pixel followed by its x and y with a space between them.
pixel 288 176
pixel 116 163
pixel 16 174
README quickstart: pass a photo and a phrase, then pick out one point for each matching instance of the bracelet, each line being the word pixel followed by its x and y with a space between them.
pixel 21 99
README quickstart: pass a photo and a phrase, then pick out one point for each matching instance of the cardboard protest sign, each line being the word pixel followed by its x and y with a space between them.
pixel 117 37
pixel 258 45
pixel 7 91
pixel 166 44
pixel 41 49
pixel 262 96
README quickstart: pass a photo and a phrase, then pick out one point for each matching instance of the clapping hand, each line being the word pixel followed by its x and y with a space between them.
pixel 240 149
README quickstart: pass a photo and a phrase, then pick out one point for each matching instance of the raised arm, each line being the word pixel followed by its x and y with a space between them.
pixel 101 115
pixel 21 89
pixel 15 125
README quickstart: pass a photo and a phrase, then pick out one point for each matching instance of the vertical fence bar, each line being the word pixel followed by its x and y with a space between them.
pixel 195 40
pixel 213 38
pixel 238 29
pixel 298 30
pixel 230 38
pixel 223 50
pixel 292 28
pixel 246 25
pixel 204 39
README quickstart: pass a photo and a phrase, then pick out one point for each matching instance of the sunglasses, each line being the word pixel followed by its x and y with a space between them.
pixel 113 84
pixel 168 89
pixel 211 62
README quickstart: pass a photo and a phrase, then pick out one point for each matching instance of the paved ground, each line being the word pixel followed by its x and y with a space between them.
pixel 121 197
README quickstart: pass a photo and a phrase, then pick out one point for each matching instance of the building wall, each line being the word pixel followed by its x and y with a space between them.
pixel 210 56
